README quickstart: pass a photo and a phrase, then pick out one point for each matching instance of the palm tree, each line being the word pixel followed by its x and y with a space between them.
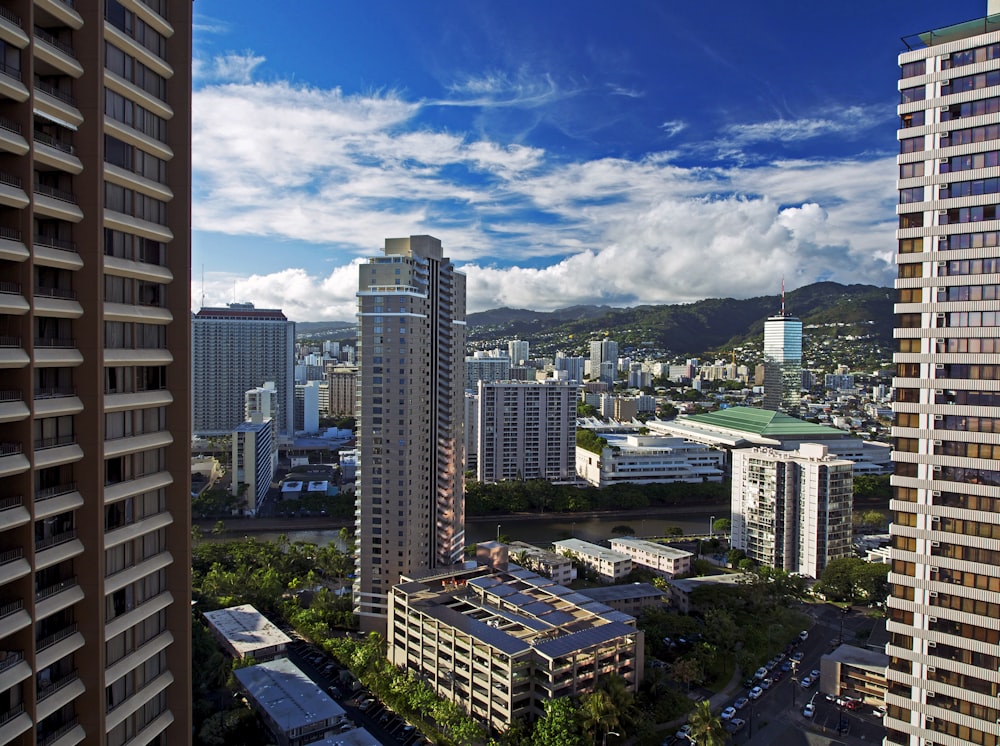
pixel 598 713
pixel 706 727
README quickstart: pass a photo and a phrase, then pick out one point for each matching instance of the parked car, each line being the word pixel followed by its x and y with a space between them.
pixel 736 725
pixel 741 702
pixel 809 710
pixel 728 713
pixel 853 704
pixel 760 673
pixel 807 682
pixel 683 733
pixel 814 674
pixel 797 656
pixel 766 683
pixel 756 692
pixel 804 635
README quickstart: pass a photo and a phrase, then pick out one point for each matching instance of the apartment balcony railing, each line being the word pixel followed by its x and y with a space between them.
pixel 12 658
pixel 56 539
pixel 59 440
pixel 64 293
pixel 59 489
pixel 9 396
pixel 54 735
pixel 11 288
pixel 53 142
pixel 8 341
pixel 11 555
pixel 55 392
pixel 10 449
pixel 60 194
pixel 48 691
pixel 11 607
pixel 56 342
pixel 9 124
pixel 10 16
pixel 54 92
pixel 48 38
pixel 10 179
pixel 50 590
pixel 55 243
pixel 10 71
pixel 11 234
pixel 50 640
pixel 11 714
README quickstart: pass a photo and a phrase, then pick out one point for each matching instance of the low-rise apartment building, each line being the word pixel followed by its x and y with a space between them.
pixel 648 459
pixel 630 598
pixel 501 640
pixel 662 559
pixel 550 564
pixel 246 633
pixel 609 565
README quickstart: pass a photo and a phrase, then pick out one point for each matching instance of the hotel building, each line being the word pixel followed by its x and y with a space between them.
pixel 944 672
pixel 95 436
pixel 410 512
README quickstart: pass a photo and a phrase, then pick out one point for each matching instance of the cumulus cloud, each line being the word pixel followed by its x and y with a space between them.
pixel 313 165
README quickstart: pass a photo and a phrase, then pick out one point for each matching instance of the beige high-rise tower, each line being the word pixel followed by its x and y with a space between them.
pixel 411 341
pixel 95 174
pixel 944 674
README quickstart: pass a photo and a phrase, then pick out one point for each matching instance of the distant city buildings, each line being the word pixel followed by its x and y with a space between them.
pixel 255 460
pixel 782 362
pixel 518 351
pixel 410 501
pixel 235 349
pixel 792 510
pixel 604 361
pixel 526 431
pixel 500 640
pixel 486 367
pixel 343 391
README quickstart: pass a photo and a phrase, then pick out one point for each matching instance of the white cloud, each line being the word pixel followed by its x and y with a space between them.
pixel 306 164
pixel 233 67
pixel 848 121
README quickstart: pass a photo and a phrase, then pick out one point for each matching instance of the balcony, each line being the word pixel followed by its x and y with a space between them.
pixel 56 203
pixel 58 694
pixel 56 154
pixel 13 512
pixel 57 351
pixel 11 84
pixel 57 303
pixel 12 459
pixel 53 648
pixel 12 406
pixel 67 734
pixel 63 11
pixel 55 402
pixel 11 300
pixel 11 193
pixel 11 30
pixel 13 565
pixel 57 597
pixel 13 723
pixel 56 54
pixel 57 105
pixel 13 617
pixel 57 548
pixel 10 137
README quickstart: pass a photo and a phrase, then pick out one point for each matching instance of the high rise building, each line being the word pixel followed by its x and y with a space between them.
pixel 343 383
pixel 526 431
pixel 483 367
pixel 517 351
pixel 235 349
pixel 604 361
pixel 782 362
pixel 95 258
pixel 411 340
pixel 943 676
pixel 792 510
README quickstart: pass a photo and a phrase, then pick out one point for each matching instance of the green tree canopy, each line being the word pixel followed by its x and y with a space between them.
pixel 559 726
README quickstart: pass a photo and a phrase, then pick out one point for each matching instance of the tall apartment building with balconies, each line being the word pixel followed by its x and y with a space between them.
pixel 944 673
pixel 95 179
pixel 526 430
pixel 410 513
pixel 235 349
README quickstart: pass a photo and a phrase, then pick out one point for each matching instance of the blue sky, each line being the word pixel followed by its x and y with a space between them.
pixel 564 152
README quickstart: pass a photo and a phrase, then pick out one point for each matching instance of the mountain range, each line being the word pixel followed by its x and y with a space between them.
pixel 827 308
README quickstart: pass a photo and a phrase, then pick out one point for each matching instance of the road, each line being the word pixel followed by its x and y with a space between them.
pixel 776 718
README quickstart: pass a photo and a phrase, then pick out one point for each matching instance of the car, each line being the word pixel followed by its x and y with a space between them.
pixel 756 692
pixel 814 674
pixel 365 704
pixel 804 635
pixel 728 713
pixel 879 712
pixel 748 683
pixel 853 704
pixel 760 673
pixel 736 725
pixel 809 710
pixel 797 656
pixel 683 733
pixel 807 682
pixel 741 702
pixel 776 676
pixel 786 666
pixel 767 683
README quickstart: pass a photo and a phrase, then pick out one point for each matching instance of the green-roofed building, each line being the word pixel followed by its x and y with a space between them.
pixel 748 427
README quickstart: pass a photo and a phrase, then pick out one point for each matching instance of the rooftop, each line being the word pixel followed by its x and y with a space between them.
pixel 608 593
pixel 859 657
pixel 955 32
pixel 578 546
pixel 651 546
pixel 246 629
pixel 763 422
pixel 289 697
pixel 686 585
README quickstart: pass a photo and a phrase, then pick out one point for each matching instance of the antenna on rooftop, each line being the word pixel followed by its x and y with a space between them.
pixel 782 296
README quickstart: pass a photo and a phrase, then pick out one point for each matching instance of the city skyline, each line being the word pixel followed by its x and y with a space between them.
pixel 623 160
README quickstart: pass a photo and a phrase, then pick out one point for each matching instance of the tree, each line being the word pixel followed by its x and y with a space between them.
pixel 559 726
pixel 598 714
pixel 706 727
pixel 722 526
pixel 837 581
pixel 735 556
pixel 687 671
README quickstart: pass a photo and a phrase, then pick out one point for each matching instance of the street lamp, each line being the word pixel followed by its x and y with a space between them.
pixel 498 532
pixel 795 680
pixel 610 733
pixel 711 526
